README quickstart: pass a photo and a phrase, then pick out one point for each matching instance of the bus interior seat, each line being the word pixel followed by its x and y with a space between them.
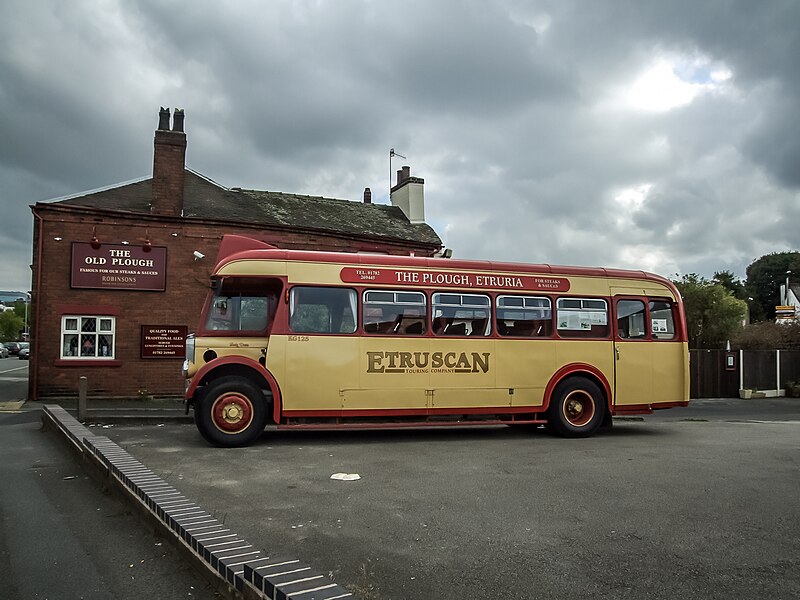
pixel 414 328
pixel 478 327
pixel 439 325
pixel 456 329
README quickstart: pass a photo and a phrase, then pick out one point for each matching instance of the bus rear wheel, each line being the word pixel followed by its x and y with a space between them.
pixel 577 408
pixel 231 412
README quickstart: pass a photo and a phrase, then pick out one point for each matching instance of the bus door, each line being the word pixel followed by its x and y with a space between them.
pixel 633 351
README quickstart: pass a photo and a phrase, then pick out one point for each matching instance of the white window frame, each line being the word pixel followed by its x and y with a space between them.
pixel 67 331
pixel 464 302
pixel 581 316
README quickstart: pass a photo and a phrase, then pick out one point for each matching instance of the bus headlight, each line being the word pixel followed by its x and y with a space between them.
pixel 189 355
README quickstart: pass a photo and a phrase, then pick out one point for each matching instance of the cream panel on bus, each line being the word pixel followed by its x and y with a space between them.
pixel 393 374
pixel 316 370
pixel 256 268
pixel 670 372
pixel 525 366
pixel 633 376
pixel 464 374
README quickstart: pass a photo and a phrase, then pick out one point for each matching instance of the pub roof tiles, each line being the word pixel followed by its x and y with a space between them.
pixel 204 199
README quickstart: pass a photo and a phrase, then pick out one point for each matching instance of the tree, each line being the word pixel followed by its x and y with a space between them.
pixel 728 280
pixel 713 314
pixel 10 325
pixel 764 279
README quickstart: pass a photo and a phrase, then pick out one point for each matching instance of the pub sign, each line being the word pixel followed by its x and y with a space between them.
pixel 118 267
pixel 164 341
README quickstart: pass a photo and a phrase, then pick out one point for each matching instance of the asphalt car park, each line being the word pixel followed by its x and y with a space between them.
pixel 674 506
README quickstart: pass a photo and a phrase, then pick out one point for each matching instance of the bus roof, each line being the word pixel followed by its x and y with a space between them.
pixel 238 248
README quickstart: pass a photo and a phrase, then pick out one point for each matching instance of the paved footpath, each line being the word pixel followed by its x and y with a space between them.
pixel 62 538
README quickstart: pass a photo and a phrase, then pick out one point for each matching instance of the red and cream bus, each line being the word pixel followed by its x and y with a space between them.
pixel 303 339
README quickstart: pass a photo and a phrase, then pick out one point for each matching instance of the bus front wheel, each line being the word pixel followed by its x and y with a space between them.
pixel 230 412
pixel 577 408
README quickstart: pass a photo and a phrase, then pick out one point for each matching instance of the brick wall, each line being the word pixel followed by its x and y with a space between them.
pixel 186 288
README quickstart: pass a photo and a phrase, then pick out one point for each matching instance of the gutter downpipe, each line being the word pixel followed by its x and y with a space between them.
pixel 33 377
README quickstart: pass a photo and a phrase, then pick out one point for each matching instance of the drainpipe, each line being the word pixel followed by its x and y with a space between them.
pixel 33 362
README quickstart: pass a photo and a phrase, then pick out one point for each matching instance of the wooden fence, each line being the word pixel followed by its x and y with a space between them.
pixel 713 377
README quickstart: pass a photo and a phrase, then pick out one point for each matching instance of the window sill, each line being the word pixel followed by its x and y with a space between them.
pixel 87 362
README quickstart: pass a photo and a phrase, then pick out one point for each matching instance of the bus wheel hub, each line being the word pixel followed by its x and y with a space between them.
pixel 578 408
pixel 232 412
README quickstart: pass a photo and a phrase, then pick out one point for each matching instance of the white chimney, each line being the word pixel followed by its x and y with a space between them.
pixel 409 195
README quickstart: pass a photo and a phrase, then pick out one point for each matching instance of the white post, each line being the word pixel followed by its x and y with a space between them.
pixel 741 369
pixel 778 371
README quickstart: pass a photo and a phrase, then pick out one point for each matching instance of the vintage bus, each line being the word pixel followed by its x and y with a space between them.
pixel 302 339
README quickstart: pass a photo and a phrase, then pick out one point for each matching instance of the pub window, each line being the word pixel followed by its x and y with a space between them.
pixel 524 316
pixel 388 312
pixel 582 317
pixel 662 321
pixel 87 337
pixel 461 314
pixel 322 310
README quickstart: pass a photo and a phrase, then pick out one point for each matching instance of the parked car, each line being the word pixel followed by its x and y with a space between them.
pixel 24 351
pixel 4 351
pixel 13 347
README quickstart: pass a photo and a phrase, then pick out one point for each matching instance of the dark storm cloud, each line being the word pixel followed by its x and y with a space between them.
pixel 515 113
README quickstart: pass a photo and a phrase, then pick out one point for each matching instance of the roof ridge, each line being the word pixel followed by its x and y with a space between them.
pixel 309 196
pixel 208 179
pixel 97 190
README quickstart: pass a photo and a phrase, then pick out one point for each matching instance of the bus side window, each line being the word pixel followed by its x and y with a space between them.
pixel 461 314
pixel 582 318
pixel 524 316
pixel 322 310
pixel 662 320
pixel 388 312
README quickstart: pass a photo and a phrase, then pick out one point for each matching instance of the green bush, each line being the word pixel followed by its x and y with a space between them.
pixel 768 336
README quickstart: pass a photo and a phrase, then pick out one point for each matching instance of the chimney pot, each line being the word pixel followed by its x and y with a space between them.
pixel 406 172
pixel 367 196
pixel 177 120
pixel 163 119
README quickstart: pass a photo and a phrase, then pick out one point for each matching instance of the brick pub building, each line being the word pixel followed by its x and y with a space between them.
pixel 120 274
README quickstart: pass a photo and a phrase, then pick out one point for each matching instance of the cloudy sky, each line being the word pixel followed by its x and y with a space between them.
pixel 639 134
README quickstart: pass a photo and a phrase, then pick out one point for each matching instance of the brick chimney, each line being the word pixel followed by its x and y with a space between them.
pixel 409 195
pixel 169 162
pixel 367 196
